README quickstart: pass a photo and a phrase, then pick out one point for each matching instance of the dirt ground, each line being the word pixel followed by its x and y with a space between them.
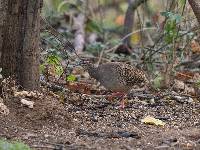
pixel 80 121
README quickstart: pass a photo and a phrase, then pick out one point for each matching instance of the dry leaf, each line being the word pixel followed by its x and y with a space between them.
pixel 136 38
pixel 78 70
pixel 179 85
pixel 79 87
pixel 184 75
pixel 152 121
pixel 120 20
pixel 189 90
pixel 195 47
pixel 21 93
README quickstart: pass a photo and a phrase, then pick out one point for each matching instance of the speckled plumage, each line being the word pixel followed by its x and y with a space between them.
pixel 116 76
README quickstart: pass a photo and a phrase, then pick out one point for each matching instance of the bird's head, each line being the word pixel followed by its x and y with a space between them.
pixel 90 68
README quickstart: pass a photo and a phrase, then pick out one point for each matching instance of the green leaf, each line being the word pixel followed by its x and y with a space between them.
pixel 170 31
pixel 172 16
pixel 59 70
pixel 95 47
pixel 71 78
pixel 181 3
pixel 198 84
pixel 165 13
pixel 93 26
pixel 63 6
pixel 42 68
pixel 157 81
pixel 53 59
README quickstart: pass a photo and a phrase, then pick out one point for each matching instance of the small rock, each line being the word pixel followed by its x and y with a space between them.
pixel 162 147
pixel 30 135
pixel 94 118
pixel 190 100
pixel 27 103
pixel 152 101
pixel 179 85
pixel 3 109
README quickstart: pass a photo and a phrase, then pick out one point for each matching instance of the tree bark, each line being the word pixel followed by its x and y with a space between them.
pixel 128 22
pixel 3 7
pixel 129 18
pixel 195 4
pixel 20 42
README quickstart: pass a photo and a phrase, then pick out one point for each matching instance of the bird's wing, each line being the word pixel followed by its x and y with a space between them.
pixel 132 75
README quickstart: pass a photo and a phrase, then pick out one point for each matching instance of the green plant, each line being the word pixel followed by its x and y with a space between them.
pixel 94 26
pixel 157 81
pixel 198 84
pixel 53 58
pixel 95 47
pixel 71 78
pixel 15 145
pixel 171 30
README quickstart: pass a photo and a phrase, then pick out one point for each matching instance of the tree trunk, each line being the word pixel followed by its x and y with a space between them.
pixel 128 22
pixel 20 41
pixel 3 7
pixel 129 18
pixel 195 4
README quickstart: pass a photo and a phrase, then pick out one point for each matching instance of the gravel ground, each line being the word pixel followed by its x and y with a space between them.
pixel 80 121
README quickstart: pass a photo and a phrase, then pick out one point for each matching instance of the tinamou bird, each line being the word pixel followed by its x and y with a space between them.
pixel 118 77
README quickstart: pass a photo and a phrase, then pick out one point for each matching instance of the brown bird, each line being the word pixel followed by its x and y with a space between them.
pixel 117 77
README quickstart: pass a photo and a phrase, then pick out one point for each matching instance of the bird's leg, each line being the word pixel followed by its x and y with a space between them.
pixel 116 94
pixel 122 103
